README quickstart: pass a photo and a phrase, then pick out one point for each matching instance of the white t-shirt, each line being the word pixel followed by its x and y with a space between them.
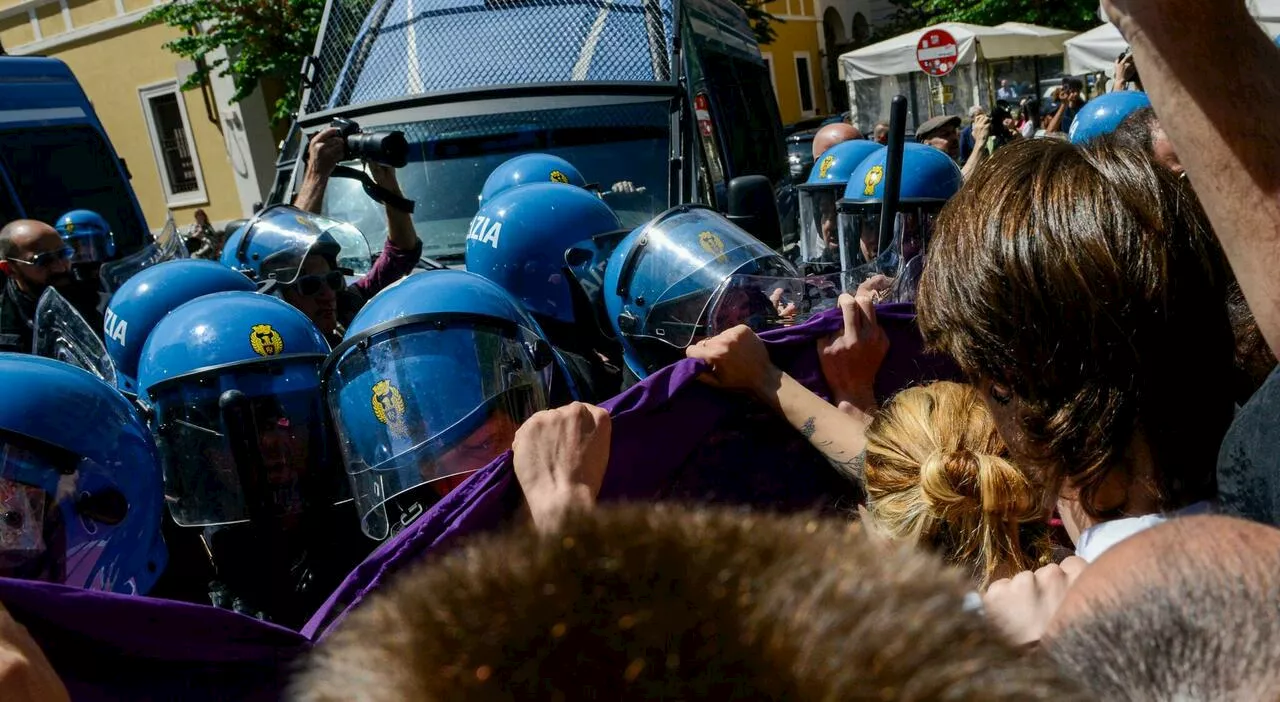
pixel 1095 540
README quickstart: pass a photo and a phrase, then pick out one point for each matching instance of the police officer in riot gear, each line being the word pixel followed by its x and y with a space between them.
pixel 232 383
pixel 687 275
pixel 80 492
pixel 528 169
pixel 140 304
pixel 929 179
pixel 434 378
pixel 90 237
pixel 819 222
pixel 306 260
pixel 547 244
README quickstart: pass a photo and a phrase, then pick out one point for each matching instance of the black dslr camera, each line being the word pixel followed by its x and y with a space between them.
pixel 387 148
pixel 998 130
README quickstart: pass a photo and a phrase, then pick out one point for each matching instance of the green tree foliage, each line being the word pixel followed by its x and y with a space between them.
pixel 265 40
pixel 761 20
pixel 1077 15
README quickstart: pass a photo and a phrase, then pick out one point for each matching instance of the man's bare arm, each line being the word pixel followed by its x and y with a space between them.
pixel 1214 80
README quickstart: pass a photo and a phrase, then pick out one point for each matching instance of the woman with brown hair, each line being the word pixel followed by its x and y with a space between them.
pixel 1083 292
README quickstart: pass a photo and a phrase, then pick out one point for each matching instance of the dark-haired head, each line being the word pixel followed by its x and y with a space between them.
pixel 1083 291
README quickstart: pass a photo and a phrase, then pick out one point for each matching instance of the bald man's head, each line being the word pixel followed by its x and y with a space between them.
pixel 831 135
pixel 25 242
pixel 1187 610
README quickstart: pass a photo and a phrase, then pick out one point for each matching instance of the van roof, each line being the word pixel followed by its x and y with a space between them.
pixel 25 68
pixel 374 51
pixel 34 84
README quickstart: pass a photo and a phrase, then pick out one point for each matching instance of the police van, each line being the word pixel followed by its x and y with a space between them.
pixel 656 102
pixel 55 155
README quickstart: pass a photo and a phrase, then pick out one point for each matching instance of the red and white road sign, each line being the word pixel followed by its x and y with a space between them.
pixel 937 52
pixel 702 110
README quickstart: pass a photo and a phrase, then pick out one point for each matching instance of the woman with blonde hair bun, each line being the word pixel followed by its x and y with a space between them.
pixel 937 474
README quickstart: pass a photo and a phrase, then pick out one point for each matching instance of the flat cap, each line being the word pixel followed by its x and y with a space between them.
pixel 933 125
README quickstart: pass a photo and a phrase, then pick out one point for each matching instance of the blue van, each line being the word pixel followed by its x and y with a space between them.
pixel 671 96
pixel 55 155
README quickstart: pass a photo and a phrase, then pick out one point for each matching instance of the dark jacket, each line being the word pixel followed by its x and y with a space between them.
pixel 17 312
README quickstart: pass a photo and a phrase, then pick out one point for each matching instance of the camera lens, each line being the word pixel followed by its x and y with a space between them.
pixel 387 148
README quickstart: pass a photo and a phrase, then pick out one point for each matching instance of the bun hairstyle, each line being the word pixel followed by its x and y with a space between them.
pixel 937 474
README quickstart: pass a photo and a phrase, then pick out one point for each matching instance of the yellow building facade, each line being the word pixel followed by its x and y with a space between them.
pixel 795 59
pixel 184 150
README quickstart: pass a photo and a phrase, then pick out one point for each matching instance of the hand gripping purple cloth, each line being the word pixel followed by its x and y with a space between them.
pixel 658 425
pixel 116 647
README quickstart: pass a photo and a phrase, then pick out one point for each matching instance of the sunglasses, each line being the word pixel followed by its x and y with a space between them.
pixel 47 258
pixel 309 285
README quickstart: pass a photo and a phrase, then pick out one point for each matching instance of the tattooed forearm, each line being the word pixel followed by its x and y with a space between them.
pixel 840 460
pixel 808 428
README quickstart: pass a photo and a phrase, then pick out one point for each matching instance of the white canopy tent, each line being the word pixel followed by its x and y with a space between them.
pixel 1096 50
pixel 878 72
pixel 1012 39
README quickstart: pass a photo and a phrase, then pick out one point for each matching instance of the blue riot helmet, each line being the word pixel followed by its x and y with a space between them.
pixel 232 381
pixel 1103 114
pixel 929 179
pixel 527 169
pixel 89 236
pixel 543 243
pixel 278 240
pixel 231 247
pixel 665 284
pixel 80 490
pixel 819 223
pixel 430 385
pixel 140 304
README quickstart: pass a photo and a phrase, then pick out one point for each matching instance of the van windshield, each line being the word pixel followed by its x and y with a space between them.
pixel 56 169
pixel 449 160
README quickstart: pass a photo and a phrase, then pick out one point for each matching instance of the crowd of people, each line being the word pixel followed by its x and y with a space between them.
pixel 1036 411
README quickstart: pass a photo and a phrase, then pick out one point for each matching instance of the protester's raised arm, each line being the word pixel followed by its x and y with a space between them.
pixel 1214 80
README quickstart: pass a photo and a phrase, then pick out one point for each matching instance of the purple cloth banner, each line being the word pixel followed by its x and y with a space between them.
pixel 673 438
pixel 116 647
pixel 663 434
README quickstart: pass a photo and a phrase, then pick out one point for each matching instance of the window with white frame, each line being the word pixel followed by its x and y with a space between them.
pixel 804 77
pixel 165 113
pixel 768 64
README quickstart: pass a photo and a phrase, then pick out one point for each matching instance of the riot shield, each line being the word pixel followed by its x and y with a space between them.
pixel 771 302
pixel 168 246
pixel 63 335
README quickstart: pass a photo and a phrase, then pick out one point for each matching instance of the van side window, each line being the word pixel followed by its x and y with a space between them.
pixel 66 167
pixel 710 168
pixel 748 113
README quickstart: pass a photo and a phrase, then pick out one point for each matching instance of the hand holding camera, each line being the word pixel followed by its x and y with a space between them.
pixel 326 151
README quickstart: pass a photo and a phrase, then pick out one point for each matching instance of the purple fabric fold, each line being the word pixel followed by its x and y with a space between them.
pixel 656 425
pixel 116 647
